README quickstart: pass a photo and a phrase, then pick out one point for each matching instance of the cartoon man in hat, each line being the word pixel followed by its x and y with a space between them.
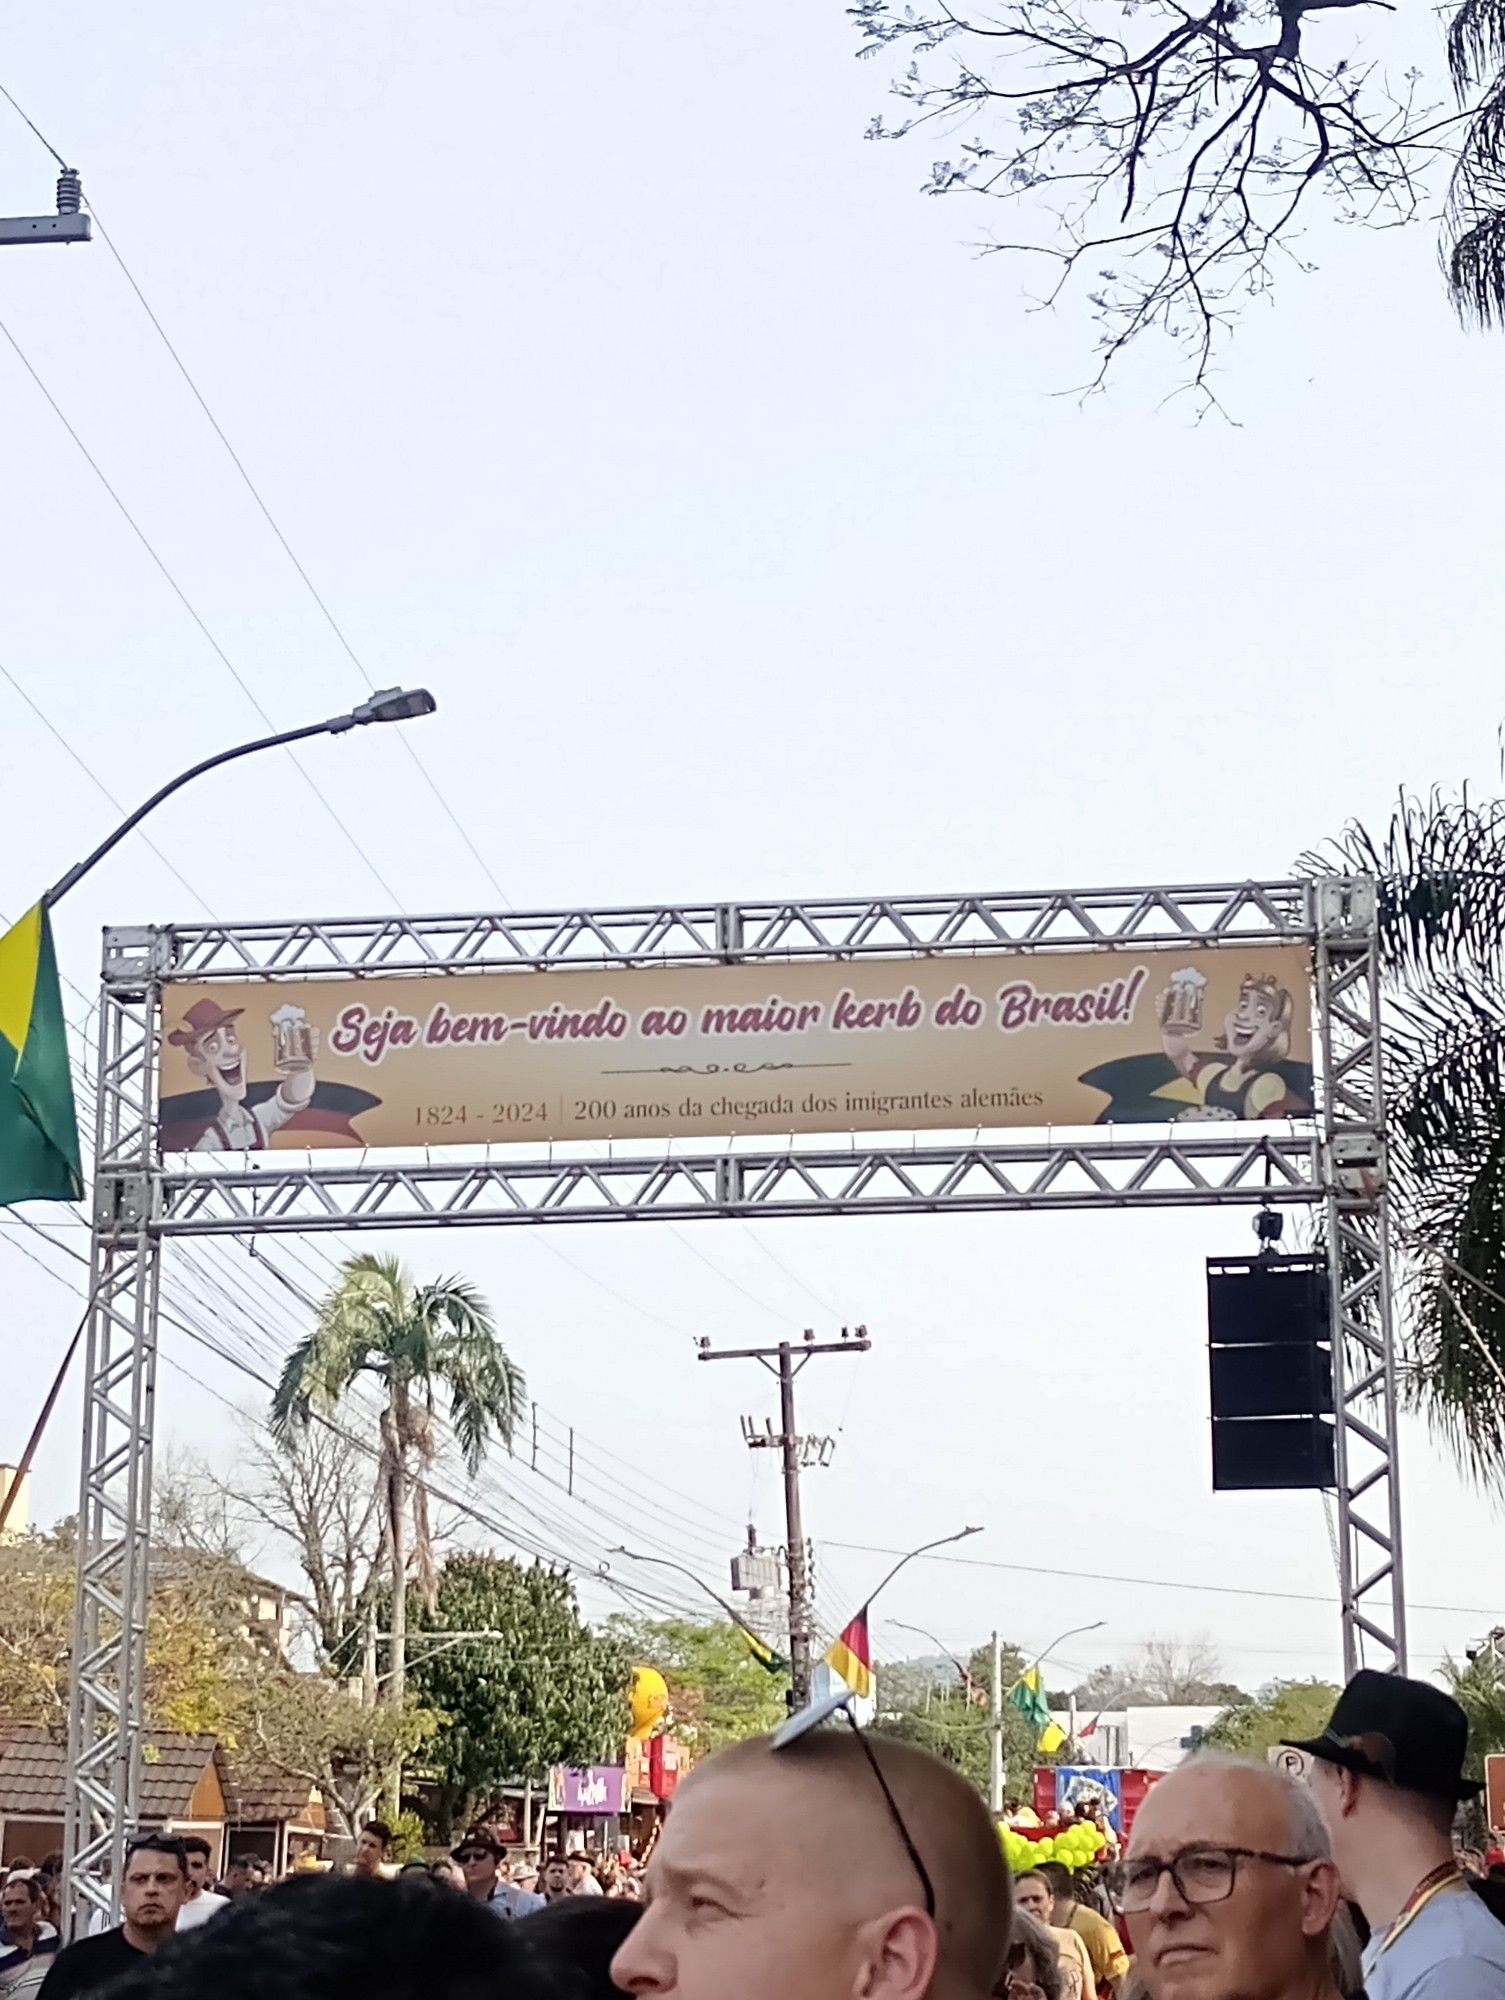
pixel 215 1053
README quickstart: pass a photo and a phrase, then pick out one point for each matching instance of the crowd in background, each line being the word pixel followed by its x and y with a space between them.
pixel 822 1863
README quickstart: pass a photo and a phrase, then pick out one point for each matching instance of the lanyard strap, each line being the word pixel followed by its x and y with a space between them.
pixel 1441 1878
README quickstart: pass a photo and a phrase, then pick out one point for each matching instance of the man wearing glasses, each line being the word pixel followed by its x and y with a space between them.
pixel 152 1891
pixel 1228 1887
pixel 821 1864
pixel 479 1855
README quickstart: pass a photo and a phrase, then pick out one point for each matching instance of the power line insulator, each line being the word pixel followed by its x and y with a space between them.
pixel 70 191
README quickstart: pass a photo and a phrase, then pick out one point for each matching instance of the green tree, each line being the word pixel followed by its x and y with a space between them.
pixel 550 1691
pixel 717 1691
pixel 1479 1689
pixel 1283 1709
pixel 1440 866
pixel 926 1702
pixel 417 1341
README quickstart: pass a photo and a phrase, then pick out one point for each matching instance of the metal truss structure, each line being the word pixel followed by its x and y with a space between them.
pixel 140 1205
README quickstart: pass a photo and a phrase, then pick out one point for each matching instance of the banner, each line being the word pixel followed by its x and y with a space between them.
pixel 1070 1038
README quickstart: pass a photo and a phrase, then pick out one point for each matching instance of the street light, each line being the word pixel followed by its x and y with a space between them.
pixel 387 705
pixel 741 1623
pixel 924 1549
pixel 999 1693
pixel 945 1651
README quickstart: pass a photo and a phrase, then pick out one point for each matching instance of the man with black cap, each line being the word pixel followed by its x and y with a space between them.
pixel 1388 1775
pixel 479 1854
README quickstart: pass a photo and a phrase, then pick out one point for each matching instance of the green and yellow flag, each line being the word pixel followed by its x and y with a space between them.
pixel 1028 1697
pixel 39 1159
pixel 770 1661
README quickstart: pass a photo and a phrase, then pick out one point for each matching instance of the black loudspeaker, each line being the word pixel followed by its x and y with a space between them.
pixel 1274 1453
pixel 1253 1300
pixel 1270 1359
pixel 1284 1381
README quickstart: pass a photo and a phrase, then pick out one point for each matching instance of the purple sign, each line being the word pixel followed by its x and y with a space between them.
pixel 600 1789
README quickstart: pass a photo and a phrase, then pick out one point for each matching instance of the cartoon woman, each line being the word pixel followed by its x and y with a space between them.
pixel 1249 1077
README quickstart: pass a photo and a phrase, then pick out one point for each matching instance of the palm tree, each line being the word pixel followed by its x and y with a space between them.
pixel 1474 215
pixel 1440 866
pixel 417 1341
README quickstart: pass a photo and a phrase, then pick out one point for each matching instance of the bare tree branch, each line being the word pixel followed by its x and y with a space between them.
pixel 1165 156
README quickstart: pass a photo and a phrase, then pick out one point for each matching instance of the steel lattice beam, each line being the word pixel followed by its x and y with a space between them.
pixel 651 934
pixel 1161 1172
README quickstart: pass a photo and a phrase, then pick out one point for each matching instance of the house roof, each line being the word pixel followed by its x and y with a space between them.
pixel 34 1766
pixel 254 1797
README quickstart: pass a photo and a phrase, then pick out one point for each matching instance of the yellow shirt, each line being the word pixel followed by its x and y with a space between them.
pixel 1078 1982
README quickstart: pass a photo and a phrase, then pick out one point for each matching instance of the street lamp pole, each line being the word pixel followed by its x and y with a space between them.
pixel 998 1693
pixel 390 705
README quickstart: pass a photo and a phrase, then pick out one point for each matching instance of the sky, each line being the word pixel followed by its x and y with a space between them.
pixel 739 515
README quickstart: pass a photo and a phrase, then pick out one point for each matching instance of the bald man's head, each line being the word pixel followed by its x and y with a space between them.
pixel 781 1871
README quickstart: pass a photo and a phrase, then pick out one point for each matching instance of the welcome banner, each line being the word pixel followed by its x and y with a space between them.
pixel 1014 1040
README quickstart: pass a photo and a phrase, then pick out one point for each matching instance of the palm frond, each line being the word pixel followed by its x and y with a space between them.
pixel 1476 43
pixel 1475 267
pixel 485 1386
pixel 1440 869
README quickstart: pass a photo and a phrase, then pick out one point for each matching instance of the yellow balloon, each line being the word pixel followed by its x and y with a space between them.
pixel 649 1701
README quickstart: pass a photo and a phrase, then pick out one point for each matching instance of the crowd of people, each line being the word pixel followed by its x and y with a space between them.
pixel 834 1864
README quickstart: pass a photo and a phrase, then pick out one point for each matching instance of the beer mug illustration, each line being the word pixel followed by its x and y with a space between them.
pixel 1185 992
pixel 292 1038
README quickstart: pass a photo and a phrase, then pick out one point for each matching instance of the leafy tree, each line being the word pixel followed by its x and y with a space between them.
pixel 717 1691
pixel 1440 864
pixel 418 1341
pixel 1162 158
pixel 926 1702
pixel 196 1641
pixel 1256 1723
pixel 1479 1689
pixel 550 1691
pixel 306 1726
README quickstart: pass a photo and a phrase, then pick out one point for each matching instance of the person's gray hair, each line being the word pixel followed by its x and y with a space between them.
pixel 1309 1837
pixel 1028 1934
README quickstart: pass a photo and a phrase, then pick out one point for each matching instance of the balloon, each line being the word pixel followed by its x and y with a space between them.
pixel 1048 1847
pixel 649 1701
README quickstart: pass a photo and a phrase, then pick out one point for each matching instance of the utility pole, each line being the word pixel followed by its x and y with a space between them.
pixel 796 1452
pixel 995 1732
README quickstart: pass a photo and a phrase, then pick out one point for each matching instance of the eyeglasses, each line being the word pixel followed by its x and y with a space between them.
pixel 1201 1874
pixel 811 1718
pixel 473 1854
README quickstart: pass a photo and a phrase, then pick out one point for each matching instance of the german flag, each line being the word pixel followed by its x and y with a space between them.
pixel 851 1656
pixel 39 1158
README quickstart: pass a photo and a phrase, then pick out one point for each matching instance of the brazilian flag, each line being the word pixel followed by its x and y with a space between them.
pixel 39 1159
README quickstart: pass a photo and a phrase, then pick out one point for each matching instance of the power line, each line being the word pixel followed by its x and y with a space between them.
pixel 94 778
pixel 1145 1582
pixel 177 590
pixel 287 548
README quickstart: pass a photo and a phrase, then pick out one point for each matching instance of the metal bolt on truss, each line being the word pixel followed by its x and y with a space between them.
pixel 140 1205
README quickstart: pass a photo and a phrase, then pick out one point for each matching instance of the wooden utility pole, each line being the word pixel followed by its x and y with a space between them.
pixel 785 1361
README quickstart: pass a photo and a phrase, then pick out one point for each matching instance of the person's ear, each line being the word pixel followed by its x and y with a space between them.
pixel 1319 1898
pixel 898 1957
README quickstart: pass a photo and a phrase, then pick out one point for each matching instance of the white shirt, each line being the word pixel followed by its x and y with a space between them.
pixel 1452 1949
pixel 242 1129
pixel 200 1908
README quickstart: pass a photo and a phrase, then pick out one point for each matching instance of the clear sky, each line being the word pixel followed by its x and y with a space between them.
pixel 606 381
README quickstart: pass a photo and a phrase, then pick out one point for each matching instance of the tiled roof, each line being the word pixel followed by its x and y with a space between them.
pixel 254 1797
pixel 33 1772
